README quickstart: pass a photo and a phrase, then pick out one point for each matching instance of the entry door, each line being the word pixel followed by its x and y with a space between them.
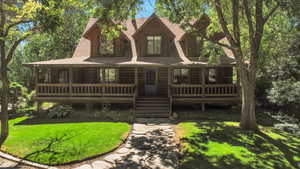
pixel 150 82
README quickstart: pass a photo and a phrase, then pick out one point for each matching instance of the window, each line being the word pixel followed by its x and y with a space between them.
pixel 106 46
pixel 212 75
pixel 153 45
pixel 63 76
pixel 199 44
pixel 108 75
pixel 181 76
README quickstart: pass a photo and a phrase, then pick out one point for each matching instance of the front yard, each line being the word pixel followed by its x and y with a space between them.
pixel 221 144
pixel 56 143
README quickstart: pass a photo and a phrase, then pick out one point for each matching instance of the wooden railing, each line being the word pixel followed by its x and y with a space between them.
pixel 187 90
pixel 85 89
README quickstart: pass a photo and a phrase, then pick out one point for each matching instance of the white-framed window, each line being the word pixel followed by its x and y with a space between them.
pixel 106 46
pixel 153 45
pixel 212 73
pixel 63 76
pixel 181 76
pixel 199 43
pixel 108 75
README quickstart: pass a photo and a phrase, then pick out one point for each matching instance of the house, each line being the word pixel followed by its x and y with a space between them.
pixel 152 65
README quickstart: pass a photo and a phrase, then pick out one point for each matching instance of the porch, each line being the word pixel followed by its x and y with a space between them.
pixel 126 85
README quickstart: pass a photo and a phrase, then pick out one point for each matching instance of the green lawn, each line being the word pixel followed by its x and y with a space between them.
pixel 63 142
pixel 221 144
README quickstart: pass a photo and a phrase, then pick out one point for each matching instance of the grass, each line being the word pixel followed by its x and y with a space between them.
pixel 222 144
pixel 59 143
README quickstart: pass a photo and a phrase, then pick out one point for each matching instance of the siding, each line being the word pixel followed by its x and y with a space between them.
pixel 163 82
pixel 126 75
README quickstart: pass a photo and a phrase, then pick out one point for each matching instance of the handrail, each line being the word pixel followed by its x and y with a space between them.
pixel 62 89
pixel 196 90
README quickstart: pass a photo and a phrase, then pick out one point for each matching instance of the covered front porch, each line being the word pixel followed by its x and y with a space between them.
pixel 126 84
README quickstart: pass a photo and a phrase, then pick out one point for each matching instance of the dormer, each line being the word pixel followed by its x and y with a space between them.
pixel 101 46
pixel 192 43
pixel 154 39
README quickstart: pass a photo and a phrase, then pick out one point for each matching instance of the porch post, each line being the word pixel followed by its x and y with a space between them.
pixel 203 88
pixel 36 81
pixel 170 91
pixel 70 81
pixel 136 79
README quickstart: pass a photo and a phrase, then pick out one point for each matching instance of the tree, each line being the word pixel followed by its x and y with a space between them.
pixel 44 46
pixel 20 20
pixel 243 24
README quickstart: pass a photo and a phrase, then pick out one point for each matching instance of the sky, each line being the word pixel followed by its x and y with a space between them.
pixel 148 9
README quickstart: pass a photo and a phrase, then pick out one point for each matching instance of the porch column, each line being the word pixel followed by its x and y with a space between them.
pixel 169 82
pixel 203 88
pixel 70 81
pixel 170 91
pixel 136 80
pixel 36 81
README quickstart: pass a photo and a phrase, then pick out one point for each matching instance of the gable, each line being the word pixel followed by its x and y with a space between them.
pixel 154 25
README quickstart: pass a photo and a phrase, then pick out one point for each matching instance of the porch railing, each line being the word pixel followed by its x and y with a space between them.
pixel 85 89
pixel 187 90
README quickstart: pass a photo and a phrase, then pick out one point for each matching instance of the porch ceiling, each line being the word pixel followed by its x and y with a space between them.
pixel 121 62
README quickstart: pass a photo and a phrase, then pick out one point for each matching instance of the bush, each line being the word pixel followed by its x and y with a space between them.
pixel 60 111
pixel 285 93
pixel 19 96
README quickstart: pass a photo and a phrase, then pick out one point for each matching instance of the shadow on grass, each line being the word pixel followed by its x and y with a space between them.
pixel 217 145
pixel 51 152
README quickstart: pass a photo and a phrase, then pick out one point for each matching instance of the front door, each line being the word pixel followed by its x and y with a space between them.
pixel 150 82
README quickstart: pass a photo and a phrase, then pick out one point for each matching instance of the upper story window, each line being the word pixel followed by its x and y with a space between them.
pixel 181 76
pixel 199 44
pixel 108 75
pixel 106 46
pixel 153 45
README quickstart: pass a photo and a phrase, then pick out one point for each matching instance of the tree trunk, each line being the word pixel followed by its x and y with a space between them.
pixel 248 119
pixel 4 107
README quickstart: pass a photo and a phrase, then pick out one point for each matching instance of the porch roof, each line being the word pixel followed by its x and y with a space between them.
pixel 122 62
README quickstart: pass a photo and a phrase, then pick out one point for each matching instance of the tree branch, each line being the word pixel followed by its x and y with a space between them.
pixel 223 22
pixel 248 16
pixel 267 17
pixel 14 46
pixel 235 21
pixel 6 31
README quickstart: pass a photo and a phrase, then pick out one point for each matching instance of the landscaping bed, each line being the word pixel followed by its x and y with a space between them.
pixel 222 144
pixel 55 142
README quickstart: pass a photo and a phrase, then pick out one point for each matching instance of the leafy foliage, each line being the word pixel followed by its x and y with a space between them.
pixel 45 46
pixel 60 111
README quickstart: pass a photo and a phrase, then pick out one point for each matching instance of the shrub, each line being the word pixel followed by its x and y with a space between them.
pixel 60 111
pixel 20 96
pixel 285 93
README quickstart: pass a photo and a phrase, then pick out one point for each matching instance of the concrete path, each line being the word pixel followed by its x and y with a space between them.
pixel 151 145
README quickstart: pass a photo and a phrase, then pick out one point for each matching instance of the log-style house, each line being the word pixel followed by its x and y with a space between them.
pixel 152 65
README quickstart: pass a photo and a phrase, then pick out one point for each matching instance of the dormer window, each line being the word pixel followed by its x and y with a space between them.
pixel 153 45
pixel 106 46
pixel 199 43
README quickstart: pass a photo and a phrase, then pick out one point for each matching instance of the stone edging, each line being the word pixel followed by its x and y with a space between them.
pixel 22 161
pixel 16 159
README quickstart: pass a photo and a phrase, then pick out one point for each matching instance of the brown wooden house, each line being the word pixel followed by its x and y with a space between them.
pixel 152 65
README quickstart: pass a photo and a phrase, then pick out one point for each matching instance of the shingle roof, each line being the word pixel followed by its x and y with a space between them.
pixel 82 52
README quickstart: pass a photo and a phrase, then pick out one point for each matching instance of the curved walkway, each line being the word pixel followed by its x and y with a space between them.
pixel 150 145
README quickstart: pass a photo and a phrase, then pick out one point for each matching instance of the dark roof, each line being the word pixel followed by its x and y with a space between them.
pixel 82 52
